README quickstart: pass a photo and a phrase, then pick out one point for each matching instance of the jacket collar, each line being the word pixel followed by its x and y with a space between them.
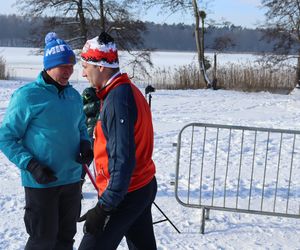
pixel 41 81
pixel 112 83
pixel 49 80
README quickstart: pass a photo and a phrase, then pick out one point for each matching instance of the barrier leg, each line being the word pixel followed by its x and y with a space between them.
pixel 207 210
pixel 203 220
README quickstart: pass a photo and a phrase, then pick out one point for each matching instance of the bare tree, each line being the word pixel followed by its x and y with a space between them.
pixel 62 15
pixel 283 29
pixel 190 6
pixel 79 20
pixel 199 35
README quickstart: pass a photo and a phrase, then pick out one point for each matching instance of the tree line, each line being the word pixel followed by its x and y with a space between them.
pixel 17 31
pixel 78 20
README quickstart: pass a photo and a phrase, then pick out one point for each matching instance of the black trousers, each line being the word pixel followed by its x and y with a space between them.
pixel 51 215
pixel 132 219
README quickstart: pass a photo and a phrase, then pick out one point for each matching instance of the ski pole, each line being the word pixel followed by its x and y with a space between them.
pixel 166 218
pixel 87 170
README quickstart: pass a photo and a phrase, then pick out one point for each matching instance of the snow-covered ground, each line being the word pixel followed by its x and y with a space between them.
pixel 172 109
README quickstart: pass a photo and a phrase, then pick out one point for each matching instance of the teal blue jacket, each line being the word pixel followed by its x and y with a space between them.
pixel 46 125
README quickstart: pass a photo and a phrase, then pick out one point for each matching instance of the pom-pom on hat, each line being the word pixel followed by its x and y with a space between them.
pixel 101 51
pixel 57 52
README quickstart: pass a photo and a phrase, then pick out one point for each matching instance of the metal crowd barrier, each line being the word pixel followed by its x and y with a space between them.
pixel 238 169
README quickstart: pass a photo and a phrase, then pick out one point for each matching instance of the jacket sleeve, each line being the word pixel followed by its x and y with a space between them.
pixel 13 128
pixel 119 119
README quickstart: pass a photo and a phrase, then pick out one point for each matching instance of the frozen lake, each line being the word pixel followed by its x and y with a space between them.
pixel 22 63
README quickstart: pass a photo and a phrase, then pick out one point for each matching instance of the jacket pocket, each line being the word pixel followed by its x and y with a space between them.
pixel 104 179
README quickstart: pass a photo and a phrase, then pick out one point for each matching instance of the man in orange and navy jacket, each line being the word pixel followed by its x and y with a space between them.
pixel 123 149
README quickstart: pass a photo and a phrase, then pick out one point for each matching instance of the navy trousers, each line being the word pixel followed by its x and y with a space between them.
pixel 132 219
pixel 51 215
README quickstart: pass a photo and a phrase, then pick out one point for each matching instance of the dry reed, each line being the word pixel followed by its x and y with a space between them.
pixel 247 77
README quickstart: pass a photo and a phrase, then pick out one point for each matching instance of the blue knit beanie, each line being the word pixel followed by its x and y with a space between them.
pixel 57 52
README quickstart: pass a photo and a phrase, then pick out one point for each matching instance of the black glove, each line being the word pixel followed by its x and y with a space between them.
pixel 41 173
pixel 86 155
pixel 95 219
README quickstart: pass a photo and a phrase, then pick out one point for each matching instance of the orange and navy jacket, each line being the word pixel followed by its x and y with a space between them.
pixel 123 143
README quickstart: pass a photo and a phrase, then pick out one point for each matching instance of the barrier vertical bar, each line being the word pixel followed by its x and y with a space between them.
pixel 215 168
pixel 265 171
pixel 277 175
pixel 227 166
pixel 240 167
pixel 252 169
pixel 202 164
pixel 291 169
pixel 190 165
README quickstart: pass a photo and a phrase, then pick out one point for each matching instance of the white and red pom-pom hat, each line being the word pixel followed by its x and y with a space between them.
pixel 101 51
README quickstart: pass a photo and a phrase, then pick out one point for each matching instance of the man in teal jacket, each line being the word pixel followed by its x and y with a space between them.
pixel 44 134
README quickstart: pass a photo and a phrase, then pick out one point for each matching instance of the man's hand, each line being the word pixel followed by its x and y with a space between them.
pixel 41 173
pixel 86 155
pixel 95 220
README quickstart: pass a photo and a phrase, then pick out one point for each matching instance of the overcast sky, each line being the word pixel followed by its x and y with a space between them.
pixel 246 13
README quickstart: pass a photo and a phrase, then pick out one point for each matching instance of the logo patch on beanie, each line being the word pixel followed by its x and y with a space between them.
pixel 57 49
